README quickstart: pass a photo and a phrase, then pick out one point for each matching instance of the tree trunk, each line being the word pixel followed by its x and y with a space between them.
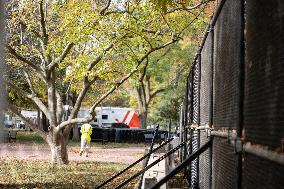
pixel 75 136
pixel 143 119
pixel 58 148
pixel 44 123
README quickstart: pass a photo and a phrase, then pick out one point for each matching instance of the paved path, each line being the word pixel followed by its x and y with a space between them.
pixel 42 152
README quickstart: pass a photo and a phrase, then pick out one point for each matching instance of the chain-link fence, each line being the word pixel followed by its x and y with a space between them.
pixel 235 97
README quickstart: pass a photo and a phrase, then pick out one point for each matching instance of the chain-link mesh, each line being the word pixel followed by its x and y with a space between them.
pixel 195 119
pixel 264 84
pixel 260 85
pixel 205 102
pixel 204 164
pixel 190 98
pixel 194 166
pixel 190 121
pixel 227 65
pixel 224 165
pixel 205 83
pixel 261 174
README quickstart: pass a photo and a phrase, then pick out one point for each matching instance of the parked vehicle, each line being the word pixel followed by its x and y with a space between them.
pixel 8 121
pixel 107 117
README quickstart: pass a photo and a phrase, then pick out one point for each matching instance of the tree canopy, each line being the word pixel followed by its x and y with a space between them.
pixel 93 46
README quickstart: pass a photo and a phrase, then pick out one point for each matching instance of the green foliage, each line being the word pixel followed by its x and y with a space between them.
pixel 131 28
pixel 176 65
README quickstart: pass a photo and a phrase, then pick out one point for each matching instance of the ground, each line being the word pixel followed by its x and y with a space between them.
pixel 126 155
pixel 25 163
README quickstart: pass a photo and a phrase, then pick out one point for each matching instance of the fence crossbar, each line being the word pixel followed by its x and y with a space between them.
pixel 185 163
pixel 151 165
pixel 133 164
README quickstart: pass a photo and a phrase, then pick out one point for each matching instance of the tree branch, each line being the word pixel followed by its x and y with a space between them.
pixel 51 99
pixel 24 25
pixel 59 106
pixel 29 82
pixel 59 59
pixel 105 8
pixel 32 97
pixel 99 58
pixel 92 109
pixel 43 24
pixel 29 123
pixel 157 91
pixel 188 9
pixel 122 80
pixel 23 59
pixel 139 98
pixel 63 124
pixel 147 90
pixel 144 71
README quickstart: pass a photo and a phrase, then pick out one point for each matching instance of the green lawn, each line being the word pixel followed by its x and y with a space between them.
pixel 37 174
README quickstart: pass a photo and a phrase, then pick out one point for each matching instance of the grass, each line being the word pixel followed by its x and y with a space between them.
pixel 38 174
pixel 26 137
pixel 29 137
pixel 41 174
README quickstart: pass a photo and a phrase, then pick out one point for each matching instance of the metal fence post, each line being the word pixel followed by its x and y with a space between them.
pixel 242 92
pixel 211 102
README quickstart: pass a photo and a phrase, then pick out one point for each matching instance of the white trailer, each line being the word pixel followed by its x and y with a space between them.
pixel 106 117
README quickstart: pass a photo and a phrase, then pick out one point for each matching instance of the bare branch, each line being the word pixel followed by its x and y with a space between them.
pixel 28 122
pixel 92 109
pixel 73 121
pixel 32 97
pixel 188 9
pixel 29 82
pixel 43 24
pixel 157 91
pixel 167 23
pixel 105 8
pixel 99 57
pixel 59 106
pixel 23 59
pixel 79 100
pixel 51 99
pixel 54 63
pixel 144 70
pixel 147 90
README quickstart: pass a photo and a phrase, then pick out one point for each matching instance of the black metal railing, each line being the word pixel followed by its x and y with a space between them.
pixel 185 163
pixel 150 165
pixel 135 163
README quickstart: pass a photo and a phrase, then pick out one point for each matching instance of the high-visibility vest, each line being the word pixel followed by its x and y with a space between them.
pixel 86 131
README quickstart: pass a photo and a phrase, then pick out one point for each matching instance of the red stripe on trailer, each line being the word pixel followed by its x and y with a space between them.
pixel 125 117
pixel 134 122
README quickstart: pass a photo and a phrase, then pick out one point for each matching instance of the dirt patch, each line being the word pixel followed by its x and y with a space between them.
pixel 42 152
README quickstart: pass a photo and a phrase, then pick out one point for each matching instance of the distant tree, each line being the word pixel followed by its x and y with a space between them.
pixel 160 84
pixel 156 77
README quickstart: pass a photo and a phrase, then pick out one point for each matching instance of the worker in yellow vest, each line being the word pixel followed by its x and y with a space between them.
pixel 86 131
